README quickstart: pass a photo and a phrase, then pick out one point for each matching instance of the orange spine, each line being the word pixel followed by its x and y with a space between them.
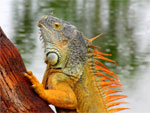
pixel 109 85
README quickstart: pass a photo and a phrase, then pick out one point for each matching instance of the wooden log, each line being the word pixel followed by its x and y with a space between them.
pixel 16 93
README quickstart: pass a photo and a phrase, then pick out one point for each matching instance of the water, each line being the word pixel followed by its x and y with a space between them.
pixel 125 26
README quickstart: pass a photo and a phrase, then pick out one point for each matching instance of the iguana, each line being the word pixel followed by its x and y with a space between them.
pixel 74 80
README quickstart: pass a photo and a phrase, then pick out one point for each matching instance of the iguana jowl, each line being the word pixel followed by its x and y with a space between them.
pixel 74 80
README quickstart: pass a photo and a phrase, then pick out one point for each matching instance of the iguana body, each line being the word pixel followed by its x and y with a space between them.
pixel 74 79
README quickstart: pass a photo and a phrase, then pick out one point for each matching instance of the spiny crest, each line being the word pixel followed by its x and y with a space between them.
pixel 108 84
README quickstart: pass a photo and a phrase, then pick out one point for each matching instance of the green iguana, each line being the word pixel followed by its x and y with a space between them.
pixel 74 80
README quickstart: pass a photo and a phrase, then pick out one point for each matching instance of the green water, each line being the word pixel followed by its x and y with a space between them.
pixel 125 25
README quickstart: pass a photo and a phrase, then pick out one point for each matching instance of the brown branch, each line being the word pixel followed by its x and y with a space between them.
pixel 16 94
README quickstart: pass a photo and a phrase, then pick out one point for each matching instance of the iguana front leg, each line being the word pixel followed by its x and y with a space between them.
pixel 61 96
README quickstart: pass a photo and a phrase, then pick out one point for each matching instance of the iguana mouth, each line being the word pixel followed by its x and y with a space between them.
pixel 44 31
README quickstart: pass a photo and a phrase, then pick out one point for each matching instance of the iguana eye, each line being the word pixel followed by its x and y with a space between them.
pixel 57 26
pixel 53 58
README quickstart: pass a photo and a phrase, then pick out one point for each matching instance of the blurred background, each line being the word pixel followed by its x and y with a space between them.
pixel 125 25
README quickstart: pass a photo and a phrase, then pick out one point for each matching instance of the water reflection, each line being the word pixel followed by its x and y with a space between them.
pixel 124 23
pixel 23 29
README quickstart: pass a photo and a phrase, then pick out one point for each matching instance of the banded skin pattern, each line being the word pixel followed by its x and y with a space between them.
pixel 75 80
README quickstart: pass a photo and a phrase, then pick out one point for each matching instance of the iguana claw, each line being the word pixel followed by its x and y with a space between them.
pixel 31 77
pixel 36 85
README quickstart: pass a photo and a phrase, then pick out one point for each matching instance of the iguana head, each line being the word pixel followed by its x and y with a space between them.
pixel 65 47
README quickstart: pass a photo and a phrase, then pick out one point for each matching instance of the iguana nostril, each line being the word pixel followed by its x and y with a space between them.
pixel 39 23
pixel 53 58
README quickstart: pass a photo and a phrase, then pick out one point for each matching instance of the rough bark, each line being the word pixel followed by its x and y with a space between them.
pixel 16 93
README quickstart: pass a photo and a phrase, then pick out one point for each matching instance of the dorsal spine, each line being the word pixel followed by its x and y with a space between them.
pixel 108 86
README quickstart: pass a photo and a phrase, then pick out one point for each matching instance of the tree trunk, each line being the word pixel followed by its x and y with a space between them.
pixel 16 93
